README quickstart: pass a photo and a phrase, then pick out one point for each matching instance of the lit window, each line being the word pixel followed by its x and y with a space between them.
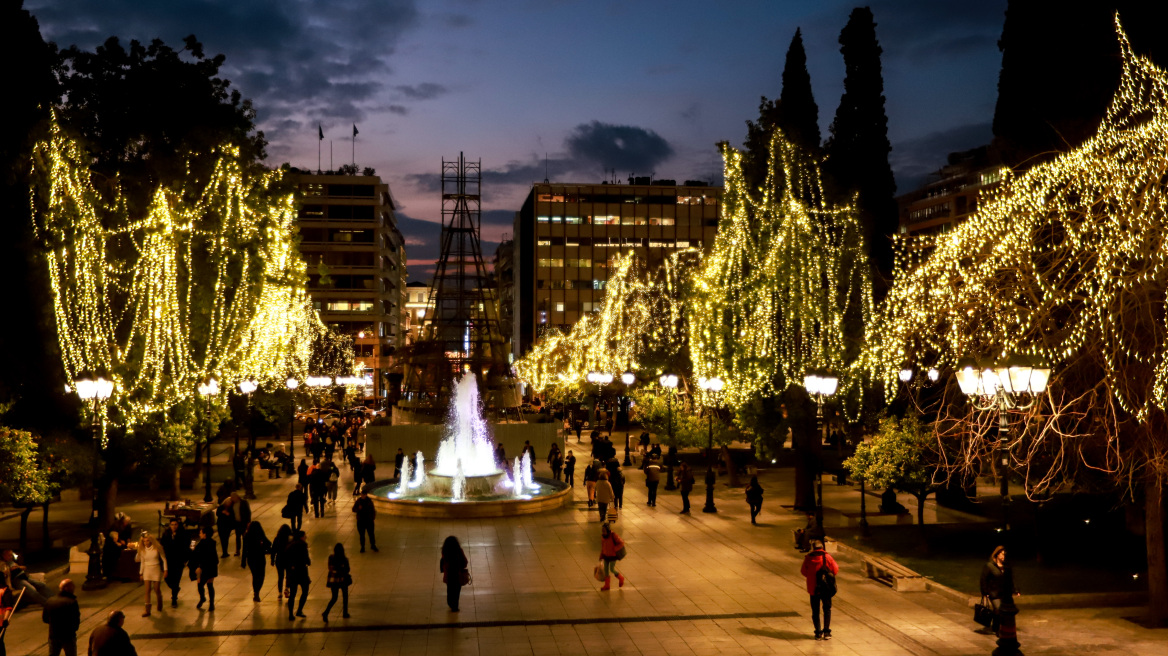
pixel 599 284
pixel 543 219
pixel 544 242
pixel 551 261
pixel 421 313
pixel 559 307
pixel 682 243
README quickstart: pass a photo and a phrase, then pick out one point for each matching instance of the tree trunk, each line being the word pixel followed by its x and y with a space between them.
pixel 1157 611
pixel 175 482
pixel 45 540
pixel 24 529
pixel 108 505
pixel 921 508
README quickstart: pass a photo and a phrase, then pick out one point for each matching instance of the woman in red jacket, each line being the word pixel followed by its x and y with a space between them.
pixel 821 588
pixel 612 549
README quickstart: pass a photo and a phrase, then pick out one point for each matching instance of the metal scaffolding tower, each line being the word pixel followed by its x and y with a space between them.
pixel 463 333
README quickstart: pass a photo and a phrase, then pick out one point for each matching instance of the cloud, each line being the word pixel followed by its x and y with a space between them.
pixel 423 91
pixel 915 159
pixel 400 110
pixel 423 245
pixel 927 29
pixel 621 147
pixel 300 61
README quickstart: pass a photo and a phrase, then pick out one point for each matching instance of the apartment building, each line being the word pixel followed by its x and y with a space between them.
pixel 567 234
pixel 951 194
pixel 356 266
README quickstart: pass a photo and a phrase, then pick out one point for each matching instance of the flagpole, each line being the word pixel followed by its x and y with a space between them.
pixel 331 155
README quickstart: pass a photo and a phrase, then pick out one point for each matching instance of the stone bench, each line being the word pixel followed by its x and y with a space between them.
pixel 883 519
pixel 895 575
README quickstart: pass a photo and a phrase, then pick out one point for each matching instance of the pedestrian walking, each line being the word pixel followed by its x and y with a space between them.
pixel 398 458
pixel 110 639
pixel 296 562
pixel 820 570
pixel 997 586
pixel 591 477
pixel 205 563
pixel 616 478
pixel 63 615
pixel 570 469
pixel 225 521
pixel 366 513
pixel 368 472
pixel 500 456
pixel 455 571
pixel 302 473
pixel 295 508
pixel 685 482
pixel 652 480
pixel 317 488
pixel 256 548
pixel 242 509
pixel 555 461
pixel 279 544
pixel 334 480
pixel 612 549
pixel 604 494
pixel 151 568
pixel 177 547
pixel 754 498
pixel 339 580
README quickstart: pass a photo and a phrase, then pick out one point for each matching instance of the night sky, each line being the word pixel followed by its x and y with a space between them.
pixel 647 88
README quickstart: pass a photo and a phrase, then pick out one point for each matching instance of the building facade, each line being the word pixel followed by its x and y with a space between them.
pixel 567 234
pixel 417 309
pixel 356 266
pixel 950 196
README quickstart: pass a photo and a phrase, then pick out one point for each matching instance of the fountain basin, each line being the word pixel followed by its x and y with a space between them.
pixel 551 494
pixel 442 485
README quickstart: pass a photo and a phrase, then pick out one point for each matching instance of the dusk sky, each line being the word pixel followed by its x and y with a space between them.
pixel 647 88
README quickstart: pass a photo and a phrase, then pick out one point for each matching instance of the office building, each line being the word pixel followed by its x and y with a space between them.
pixel 356 266
pixel 950 195
pixel 567 234
pixel 417 309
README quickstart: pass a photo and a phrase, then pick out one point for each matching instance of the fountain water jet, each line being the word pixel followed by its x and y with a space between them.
pixel 465 480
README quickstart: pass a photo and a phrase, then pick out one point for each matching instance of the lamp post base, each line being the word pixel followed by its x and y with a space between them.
pixel 710 507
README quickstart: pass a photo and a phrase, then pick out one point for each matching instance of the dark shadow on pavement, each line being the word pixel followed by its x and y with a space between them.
pixel 778 635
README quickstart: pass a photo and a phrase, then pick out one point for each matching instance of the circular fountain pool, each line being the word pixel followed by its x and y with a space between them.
pixel 465 480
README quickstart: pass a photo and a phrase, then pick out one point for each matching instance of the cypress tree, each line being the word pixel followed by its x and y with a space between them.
pixel 795 113
pixel 798 113
pixel 858 147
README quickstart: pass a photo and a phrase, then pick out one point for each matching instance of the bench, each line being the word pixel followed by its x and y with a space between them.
pixel 904 518
pixel 895 575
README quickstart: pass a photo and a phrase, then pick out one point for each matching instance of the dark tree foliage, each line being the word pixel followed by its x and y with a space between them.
pixel 145 112
pixel 798 113
pixel 29 377
pixel 795 113
pixel 1060 70
pixel 858 147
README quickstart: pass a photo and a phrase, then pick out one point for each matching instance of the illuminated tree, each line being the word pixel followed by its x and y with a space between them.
pixel 902 455
pixel 1068 262
pixel 780 297
pixel 206 281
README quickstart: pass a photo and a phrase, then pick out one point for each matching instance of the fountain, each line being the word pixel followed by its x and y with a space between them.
pixel 465 480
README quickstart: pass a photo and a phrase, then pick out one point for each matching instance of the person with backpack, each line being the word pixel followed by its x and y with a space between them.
pixel 612 549
pixel 820 570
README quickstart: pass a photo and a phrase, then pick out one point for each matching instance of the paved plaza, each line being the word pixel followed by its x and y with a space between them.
pixel 698 584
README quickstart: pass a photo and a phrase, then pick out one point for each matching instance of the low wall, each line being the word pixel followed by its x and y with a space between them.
pixel 382 442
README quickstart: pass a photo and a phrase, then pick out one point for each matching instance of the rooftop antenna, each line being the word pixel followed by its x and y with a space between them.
pixel 545 168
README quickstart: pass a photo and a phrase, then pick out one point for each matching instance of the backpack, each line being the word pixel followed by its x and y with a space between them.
pixel 824 580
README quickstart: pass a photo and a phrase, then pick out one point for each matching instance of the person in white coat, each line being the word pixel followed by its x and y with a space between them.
pixel 151 567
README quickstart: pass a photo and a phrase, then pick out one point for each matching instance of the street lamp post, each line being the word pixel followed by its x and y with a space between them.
pixel 600 380
pixel 1002 387
pixel 97 390
pixel 628 378
pixel 669 382
pixel 292 384
pixel 246 387
pixel 821 385
pixel 712 386
pixel 207 389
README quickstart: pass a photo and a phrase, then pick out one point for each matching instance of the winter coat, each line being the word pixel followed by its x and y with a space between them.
pixel 610 545
pixel 811 564
pixel 994 580
pixel 604 492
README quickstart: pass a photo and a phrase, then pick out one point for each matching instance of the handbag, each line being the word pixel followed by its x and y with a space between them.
pixel 464 577
pixel 621 553
pixel 983 614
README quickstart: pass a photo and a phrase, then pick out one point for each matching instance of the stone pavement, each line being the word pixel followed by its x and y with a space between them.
pixel 699 584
